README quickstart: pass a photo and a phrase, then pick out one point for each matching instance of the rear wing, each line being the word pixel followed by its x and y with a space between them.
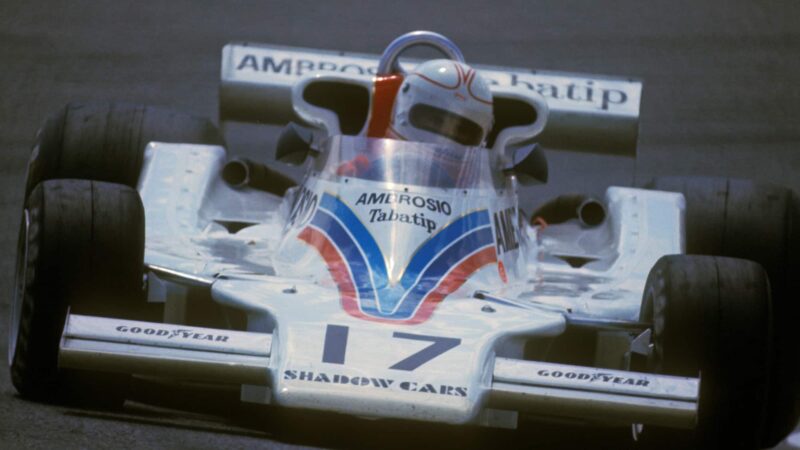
pixel 589 113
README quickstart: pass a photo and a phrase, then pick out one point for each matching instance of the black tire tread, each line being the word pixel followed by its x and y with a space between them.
pixel 106 141
pixel 712 317
pixel 760 222
pixel 85 252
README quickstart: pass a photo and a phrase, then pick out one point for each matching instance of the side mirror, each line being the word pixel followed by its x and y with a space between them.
pixel 520 116
pixel 333 103
pixel 528 164
pixel 294 144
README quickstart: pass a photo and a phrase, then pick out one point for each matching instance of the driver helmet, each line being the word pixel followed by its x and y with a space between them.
pixel 443 102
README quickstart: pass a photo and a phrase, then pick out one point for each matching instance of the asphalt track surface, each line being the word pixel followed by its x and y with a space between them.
pixel 721 97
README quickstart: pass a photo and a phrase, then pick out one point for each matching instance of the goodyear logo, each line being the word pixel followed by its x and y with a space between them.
pixel 594 377
pixel 173 333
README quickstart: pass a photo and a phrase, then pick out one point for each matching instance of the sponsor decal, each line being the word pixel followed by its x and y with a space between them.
pixel 392 215
pixel 418 201
pixel 571 91
pixel 173 333
pixel 594 377
pixel 438 268
pixel 304 204
pixel 300 66
pixel 374 382
pixel 506 230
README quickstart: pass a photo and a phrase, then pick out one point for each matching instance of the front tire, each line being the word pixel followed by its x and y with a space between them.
pixel 759 222
pixel 712 318
pixel 81 249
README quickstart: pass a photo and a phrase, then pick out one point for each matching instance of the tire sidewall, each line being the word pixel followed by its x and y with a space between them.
pixel 73 255
pixel 698 335
pixel 20 281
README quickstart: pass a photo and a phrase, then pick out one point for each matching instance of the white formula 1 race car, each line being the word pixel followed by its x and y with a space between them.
pixel 401 279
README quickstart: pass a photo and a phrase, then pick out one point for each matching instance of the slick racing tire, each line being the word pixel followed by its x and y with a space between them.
pixel 758 222
pixel 81 247
pixel 106 141
pixel 712 319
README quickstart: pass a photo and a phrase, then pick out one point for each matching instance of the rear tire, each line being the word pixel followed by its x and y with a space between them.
pixel 106 141
pixel 81 248
pixel 712 318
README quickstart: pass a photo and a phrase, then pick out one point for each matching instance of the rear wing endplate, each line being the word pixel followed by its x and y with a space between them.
pixel 587 112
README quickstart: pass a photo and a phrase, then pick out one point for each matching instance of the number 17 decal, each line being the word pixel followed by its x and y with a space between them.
pixel 335 347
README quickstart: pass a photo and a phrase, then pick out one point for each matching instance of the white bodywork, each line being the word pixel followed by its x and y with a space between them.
pixel 187 206
pixel 454 356
pixel 184 234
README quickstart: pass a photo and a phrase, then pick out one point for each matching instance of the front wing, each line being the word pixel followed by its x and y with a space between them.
pixel 247 358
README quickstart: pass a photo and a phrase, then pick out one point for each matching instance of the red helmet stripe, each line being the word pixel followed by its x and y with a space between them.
pixel 442 85
pixel 473 74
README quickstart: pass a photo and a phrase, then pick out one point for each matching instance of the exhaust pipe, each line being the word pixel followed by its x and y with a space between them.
pixel 589 211
pixel 240 173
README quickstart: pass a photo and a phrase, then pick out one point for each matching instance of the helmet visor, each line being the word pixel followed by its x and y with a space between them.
pixel 445 123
